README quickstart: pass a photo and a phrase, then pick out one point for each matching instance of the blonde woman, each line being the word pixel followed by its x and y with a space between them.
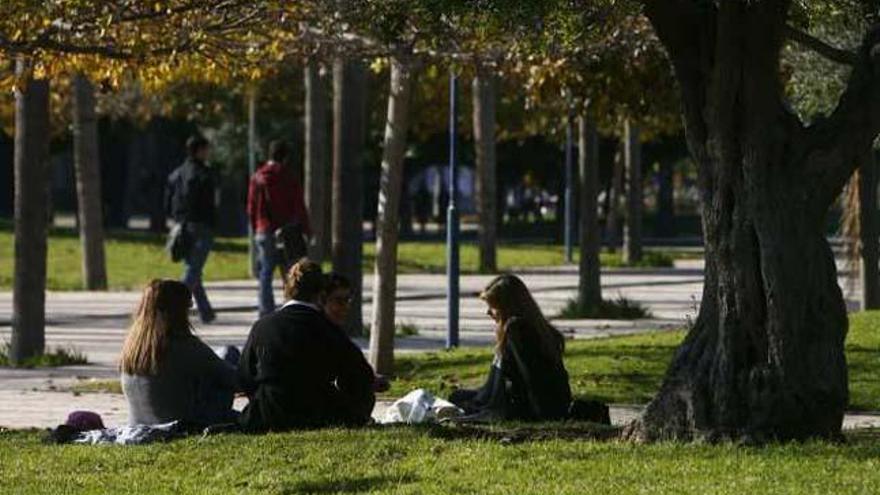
pixel 167 372
pixel 527 379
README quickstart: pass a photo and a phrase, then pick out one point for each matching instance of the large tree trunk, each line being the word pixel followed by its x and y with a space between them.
pixel 31 217
pixel 632 232
pixel 589 287
pixel 349 115
pixel 484 143
pixel 317 168
pixel 869 276
pixel 390 183
pixel 765 357
pixel 88 184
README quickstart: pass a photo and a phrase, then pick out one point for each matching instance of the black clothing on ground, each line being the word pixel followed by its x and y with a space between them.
pixel 299 370
pixel 524 383
pixel 191 193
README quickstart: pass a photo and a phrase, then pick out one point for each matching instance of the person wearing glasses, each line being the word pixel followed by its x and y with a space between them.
pixel 298 369
pixel 336 303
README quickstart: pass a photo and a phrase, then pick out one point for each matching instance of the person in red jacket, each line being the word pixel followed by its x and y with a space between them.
pixel 275 199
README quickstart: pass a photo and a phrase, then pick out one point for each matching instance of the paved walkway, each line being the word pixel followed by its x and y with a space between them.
pixel 95 324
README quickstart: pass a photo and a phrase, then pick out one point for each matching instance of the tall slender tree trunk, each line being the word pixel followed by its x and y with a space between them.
pixel 632 232
pixel 349 115
pixel 88 184
pixel 387 218
pixel 318 172
pixel 765 357
pixel 612 218
pixel 484 142
pixel 868 232
pixel 589 286
pixel 31 217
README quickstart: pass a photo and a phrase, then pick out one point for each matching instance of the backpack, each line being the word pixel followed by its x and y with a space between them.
pixel 290 239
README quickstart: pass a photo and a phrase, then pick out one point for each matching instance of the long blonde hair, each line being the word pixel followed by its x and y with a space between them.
pixel 161 315
pixel 510 295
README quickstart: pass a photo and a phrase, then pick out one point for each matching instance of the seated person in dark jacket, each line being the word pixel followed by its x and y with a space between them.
pixel 336 302
pixel 527 379
pixel 298 369
pixel 167 372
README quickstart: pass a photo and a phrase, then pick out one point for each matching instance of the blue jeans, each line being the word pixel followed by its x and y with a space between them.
pixel 193 265
pixel 268 258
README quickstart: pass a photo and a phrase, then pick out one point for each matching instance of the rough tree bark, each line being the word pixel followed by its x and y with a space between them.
pixel 318 172
pixel 88 184
pixel 31 217
pixel 764 358
pixel 349 115
pixel 869 276
pixel 632 228
pixel 589 286
pixel 484 143
pixel 390 184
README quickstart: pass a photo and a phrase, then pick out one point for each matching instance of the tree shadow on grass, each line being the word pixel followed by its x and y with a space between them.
pixel 515 433
pixel 345 484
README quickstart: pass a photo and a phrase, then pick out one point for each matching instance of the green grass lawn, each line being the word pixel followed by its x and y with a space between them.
pixel 629 369
pixel 616 370
pixel 133 258
pixel 430 461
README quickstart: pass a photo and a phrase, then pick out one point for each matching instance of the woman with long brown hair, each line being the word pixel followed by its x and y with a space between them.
pixel 167 372
pixel 527 379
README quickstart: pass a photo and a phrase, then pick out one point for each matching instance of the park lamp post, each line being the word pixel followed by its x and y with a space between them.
pixel 452 227
pixel 252 167
pixel 569 184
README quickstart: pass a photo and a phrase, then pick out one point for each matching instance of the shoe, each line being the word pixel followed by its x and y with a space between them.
pixel 208 318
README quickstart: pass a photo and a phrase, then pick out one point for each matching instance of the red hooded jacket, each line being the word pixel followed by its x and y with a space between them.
pixel 275 198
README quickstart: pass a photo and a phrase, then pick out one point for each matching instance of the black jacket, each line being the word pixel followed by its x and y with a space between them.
pixel 190 195
pixel 299 370
pixel 529 384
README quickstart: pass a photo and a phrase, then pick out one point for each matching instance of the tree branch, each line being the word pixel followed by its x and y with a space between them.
pixel 837 143
pixel 686 31
pixel 822 48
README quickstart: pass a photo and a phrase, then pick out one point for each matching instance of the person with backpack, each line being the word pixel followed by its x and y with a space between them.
pixel 191 201
pixel 277 212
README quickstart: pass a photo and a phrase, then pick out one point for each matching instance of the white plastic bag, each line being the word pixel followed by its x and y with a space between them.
pixel 419 406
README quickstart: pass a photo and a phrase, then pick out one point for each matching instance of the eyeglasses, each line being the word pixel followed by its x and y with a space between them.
pixel 341 300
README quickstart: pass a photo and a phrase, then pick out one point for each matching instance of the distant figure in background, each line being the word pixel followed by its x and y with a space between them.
pixel 298 369
pixel 527 379
pixel 422 203
pixel 275 201
pixel 191 200
pixel 169 374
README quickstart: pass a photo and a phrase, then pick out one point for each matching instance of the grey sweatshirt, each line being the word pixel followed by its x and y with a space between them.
pixel 192 384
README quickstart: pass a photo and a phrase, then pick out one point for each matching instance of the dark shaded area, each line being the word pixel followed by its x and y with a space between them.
pixel 7 174
pixel 515 433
